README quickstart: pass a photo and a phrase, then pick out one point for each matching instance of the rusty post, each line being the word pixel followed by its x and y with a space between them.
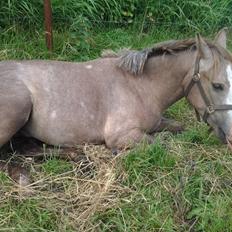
pixel 48 24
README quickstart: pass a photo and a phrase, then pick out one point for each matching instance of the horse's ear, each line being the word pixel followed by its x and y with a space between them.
pixel 202 48
pixel 204 52
pixel 221 37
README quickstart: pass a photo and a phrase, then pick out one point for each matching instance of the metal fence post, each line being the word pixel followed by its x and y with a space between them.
pixel 48 24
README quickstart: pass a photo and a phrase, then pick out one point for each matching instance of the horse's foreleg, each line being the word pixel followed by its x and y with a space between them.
pixel 169 125
pixel 128 139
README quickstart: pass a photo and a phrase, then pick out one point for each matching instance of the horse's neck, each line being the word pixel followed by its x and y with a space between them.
pixel 167 74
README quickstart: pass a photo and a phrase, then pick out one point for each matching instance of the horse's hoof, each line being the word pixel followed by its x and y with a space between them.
pixel 19 174
pixel 114 151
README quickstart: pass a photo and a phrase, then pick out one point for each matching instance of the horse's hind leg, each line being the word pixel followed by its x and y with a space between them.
pixel 15 109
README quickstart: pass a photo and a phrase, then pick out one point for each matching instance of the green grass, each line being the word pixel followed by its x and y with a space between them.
pixel 177 184
pixel 29 215
pixel 181 183
pixel 179 14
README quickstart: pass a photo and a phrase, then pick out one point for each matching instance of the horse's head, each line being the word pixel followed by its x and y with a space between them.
pixel 210 87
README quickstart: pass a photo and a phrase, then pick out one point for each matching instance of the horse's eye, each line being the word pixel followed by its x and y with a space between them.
pixel 218 86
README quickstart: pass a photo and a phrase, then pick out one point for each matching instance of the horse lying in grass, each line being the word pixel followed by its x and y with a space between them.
pixel 117 100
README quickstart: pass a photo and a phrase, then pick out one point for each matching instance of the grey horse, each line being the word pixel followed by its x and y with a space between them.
pixel 117 100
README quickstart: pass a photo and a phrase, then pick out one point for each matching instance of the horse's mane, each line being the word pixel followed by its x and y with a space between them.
pixel 134 61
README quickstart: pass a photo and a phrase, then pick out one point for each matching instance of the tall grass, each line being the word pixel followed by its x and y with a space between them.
pixel 179 14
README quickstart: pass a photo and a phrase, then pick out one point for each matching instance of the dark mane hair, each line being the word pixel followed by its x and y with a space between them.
pixel 134 61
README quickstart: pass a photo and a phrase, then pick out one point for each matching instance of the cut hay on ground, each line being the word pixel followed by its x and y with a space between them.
pixel 91 185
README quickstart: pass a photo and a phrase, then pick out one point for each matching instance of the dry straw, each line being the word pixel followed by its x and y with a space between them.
pixel 93 185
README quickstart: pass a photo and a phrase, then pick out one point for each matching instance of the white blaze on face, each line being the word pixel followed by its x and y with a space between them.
pixel 229 96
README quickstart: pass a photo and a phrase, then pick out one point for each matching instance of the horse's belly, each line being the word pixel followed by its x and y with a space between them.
pixel 64 131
